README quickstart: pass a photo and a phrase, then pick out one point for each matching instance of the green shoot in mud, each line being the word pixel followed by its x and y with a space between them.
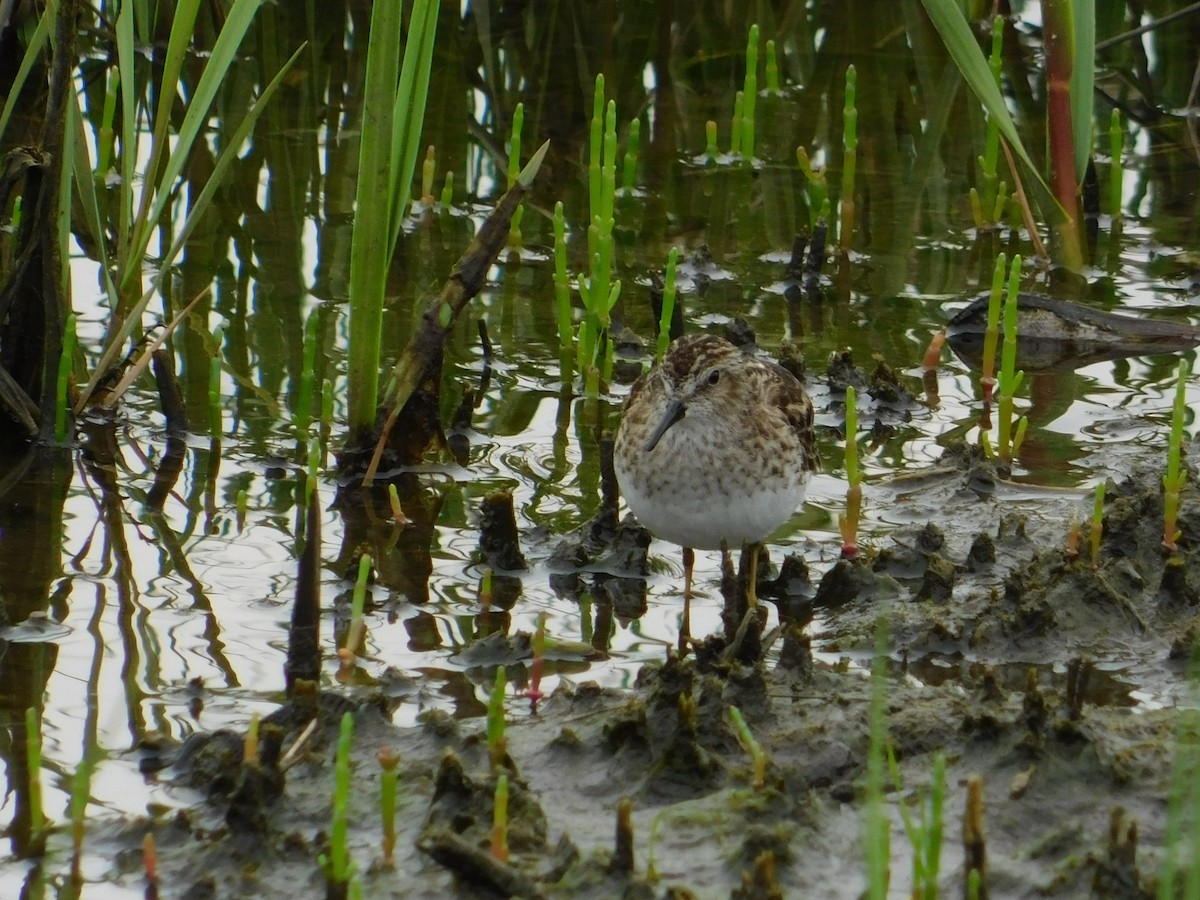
pixel 1097 523
pixel 496 743
pixel 62 411
pixel 749 97
pixel 538 663
pixel 849 164
pixel 668 305
pixel 876 828
pixel 1175 477
pixel 398 516
pixel 758 758
pixel 448 192
pixel 500 820
pixel 514 170
pixel 987 204
pixel 388 781
pixel 338 866
pixel 817 189
pixel 924 834
pixel 848 521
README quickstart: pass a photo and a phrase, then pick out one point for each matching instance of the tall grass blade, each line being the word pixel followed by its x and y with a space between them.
pixel 1083 79
pixel 409 111
pixel 116 340
pixel 37 43
pixel 956 34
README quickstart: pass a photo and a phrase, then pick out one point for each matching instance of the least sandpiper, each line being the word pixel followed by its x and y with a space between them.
pixel 715 448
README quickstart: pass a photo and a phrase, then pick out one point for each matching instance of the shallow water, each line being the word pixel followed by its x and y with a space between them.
pixel 176 621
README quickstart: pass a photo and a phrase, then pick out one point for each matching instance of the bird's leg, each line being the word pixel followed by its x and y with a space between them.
pixel 685 626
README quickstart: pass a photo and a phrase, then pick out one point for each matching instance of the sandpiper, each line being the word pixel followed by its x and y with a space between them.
pixel 715 449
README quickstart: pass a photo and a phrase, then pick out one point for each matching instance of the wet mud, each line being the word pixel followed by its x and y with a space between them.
pixel 1011 655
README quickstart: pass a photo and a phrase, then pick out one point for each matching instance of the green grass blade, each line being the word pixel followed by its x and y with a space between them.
pixel 1083 78
pixel 409 111
pixel 182 30
pixel 126 65
pixel 115 341
pixel 371 244
pixel 85 185
pixel 956 34
pixel 216 71
pixel 37 43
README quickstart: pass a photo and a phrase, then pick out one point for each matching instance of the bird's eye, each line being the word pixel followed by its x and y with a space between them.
pixel 714 376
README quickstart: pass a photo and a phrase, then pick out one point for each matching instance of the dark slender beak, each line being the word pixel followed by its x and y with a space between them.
pixel 674 412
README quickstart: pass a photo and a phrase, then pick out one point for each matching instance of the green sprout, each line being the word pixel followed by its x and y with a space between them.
pixel 818 188
pixel 735 123
pixel 850 145
pixel 243 505
pixel 1116 174
pixel 500 820
pixel 751 746
pixel 599 291
pixel 357 603
pixel 497 746
pixel 302 417
pixel 1175 477
pixel 749 96
pixel 925 834
pixel 448 191
pixel 81 784
pixel 987 206
pixel 337 864
pixel 388 780
pixel 514 169
pixel 1008 444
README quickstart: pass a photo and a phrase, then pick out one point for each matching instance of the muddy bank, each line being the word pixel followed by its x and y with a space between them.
pixel 1016 661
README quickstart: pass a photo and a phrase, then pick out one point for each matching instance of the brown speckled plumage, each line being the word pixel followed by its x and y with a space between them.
pixel 715 446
